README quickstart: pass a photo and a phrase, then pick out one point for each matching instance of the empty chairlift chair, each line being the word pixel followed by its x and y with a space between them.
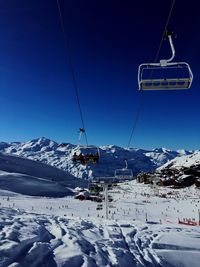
pixel 165 75
pixel 124 173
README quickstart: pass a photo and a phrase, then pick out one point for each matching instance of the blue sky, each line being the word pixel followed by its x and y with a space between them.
pixel 108 39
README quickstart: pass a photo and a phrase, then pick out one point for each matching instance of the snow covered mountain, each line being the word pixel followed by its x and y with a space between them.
pixel 183 171
pixel 185 161
pixel 111 157
pixel 180 172
pixel 34 178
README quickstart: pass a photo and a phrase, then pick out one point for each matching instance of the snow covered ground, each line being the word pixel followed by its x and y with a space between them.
pixel 35 178
pixel 183 161
pixel 41 231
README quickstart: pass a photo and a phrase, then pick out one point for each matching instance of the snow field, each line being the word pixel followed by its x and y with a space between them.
pixel 41 231
pixel 46 240
pixel 131 201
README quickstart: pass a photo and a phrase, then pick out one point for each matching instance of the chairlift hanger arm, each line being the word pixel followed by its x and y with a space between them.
pixel 126 164
pixel 164 62
pixel 172 48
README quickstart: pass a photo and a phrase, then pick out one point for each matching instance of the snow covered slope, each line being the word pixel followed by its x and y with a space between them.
pixel 180 172
pixel 51 232
pixel 38 240
pixel 30 185
pixel 184 161
pixel 112 157
pixel 35 178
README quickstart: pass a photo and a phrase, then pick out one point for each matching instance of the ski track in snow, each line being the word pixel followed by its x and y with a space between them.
pixel 45 240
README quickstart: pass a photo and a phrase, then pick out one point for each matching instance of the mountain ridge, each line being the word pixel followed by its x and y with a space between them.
pixel 112 157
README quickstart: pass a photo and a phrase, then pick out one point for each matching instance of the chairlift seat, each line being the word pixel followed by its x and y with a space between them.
pixel 165 84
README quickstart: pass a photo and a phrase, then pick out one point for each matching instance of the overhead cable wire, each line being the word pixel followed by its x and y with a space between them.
pixel 164 31
pixel 69 57
pixel 136 121
pixel 141 105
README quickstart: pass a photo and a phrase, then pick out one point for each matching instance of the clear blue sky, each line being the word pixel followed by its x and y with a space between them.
pixel 108 39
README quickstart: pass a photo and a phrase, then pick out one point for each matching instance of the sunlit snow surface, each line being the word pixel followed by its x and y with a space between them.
pixel 36 231
pixel 34 178
pixel 186 161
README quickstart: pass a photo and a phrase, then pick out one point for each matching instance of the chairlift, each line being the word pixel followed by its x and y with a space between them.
pixel 124 173
pixel 95 187
pixel 166 74
pixel 99 207
pixel 112 206
pixel 85 154
pixel 110 198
